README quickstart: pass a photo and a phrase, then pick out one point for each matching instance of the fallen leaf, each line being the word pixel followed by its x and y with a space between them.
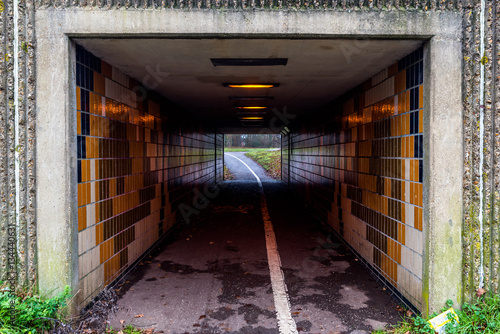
pixel 295 312
pixel 409 313
pixel 202 316
pixel 138 315
pixel 196 325
pixel 121 322
pixel 211 242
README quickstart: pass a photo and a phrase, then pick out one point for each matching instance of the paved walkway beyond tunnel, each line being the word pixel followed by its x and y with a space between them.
pixel 213 275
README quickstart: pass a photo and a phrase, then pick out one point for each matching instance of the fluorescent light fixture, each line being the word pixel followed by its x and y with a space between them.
pixel 250 86
pixel 249 61
pixel 251 107
pixel 251 98
pixel 251 113
pixel 252 118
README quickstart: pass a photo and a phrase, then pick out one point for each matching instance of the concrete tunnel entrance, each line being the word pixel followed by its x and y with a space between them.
pixel 151 114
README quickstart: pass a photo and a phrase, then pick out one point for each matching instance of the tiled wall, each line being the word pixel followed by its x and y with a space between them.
pixel 284 158
pixel 219 151
pixel 134 168
pixel 363 172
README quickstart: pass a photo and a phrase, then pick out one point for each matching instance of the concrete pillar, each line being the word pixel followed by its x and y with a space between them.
pixel 443 171
pixel 56 163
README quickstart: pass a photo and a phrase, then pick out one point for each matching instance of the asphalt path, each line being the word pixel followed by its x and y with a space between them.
pixel 240 171
pixel 213 275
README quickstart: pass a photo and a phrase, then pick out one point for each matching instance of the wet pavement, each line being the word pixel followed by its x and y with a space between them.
pixel 212 276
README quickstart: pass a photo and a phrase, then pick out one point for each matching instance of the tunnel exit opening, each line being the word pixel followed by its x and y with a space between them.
pixel 245 154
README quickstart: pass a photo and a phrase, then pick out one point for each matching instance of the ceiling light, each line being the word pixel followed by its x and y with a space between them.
pixel 252 118
pixel 251 98
pixel 250 113
pixel 250 86
pixel 251 107
pixel 249 61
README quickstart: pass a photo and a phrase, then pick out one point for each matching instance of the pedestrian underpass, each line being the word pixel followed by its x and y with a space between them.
pixel 150 129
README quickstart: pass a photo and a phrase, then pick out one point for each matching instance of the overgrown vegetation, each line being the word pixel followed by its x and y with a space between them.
pixel 482 316
pixel 269 160
pixel 227 174
pixel 26 312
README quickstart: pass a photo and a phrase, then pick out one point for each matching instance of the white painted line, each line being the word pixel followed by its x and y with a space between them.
pixel 286 323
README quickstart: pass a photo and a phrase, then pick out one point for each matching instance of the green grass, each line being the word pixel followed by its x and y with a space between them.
pixel 482 316
pixel 245 149
pixel 269 160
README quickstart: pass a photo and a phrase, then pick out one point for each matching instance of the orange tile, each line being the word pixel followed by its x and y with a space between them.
pixel 88 148
pixel 82 218
pixel 421 121
pixel 399 253
pixel 112 187
pixel 410 200
pixel 78 123
pixel 84 170
pixel 401 233
pixel 80 197
pixel 421 194
pixel 78 99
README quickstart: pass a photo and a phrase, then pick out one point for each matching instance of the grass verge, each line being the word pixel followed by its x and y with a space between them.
pixel 269 160
pixel 246 149
pixel 227 174
pixel 481 316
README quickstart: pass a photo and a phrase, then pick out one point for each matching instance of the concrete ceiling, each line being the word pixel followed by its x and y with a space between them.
pixel 318 71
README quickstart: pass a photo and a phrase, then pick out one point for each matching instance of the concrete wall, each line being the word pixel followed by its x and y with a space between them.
pixel 481 236
pixel 17 143
pixel 135 166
